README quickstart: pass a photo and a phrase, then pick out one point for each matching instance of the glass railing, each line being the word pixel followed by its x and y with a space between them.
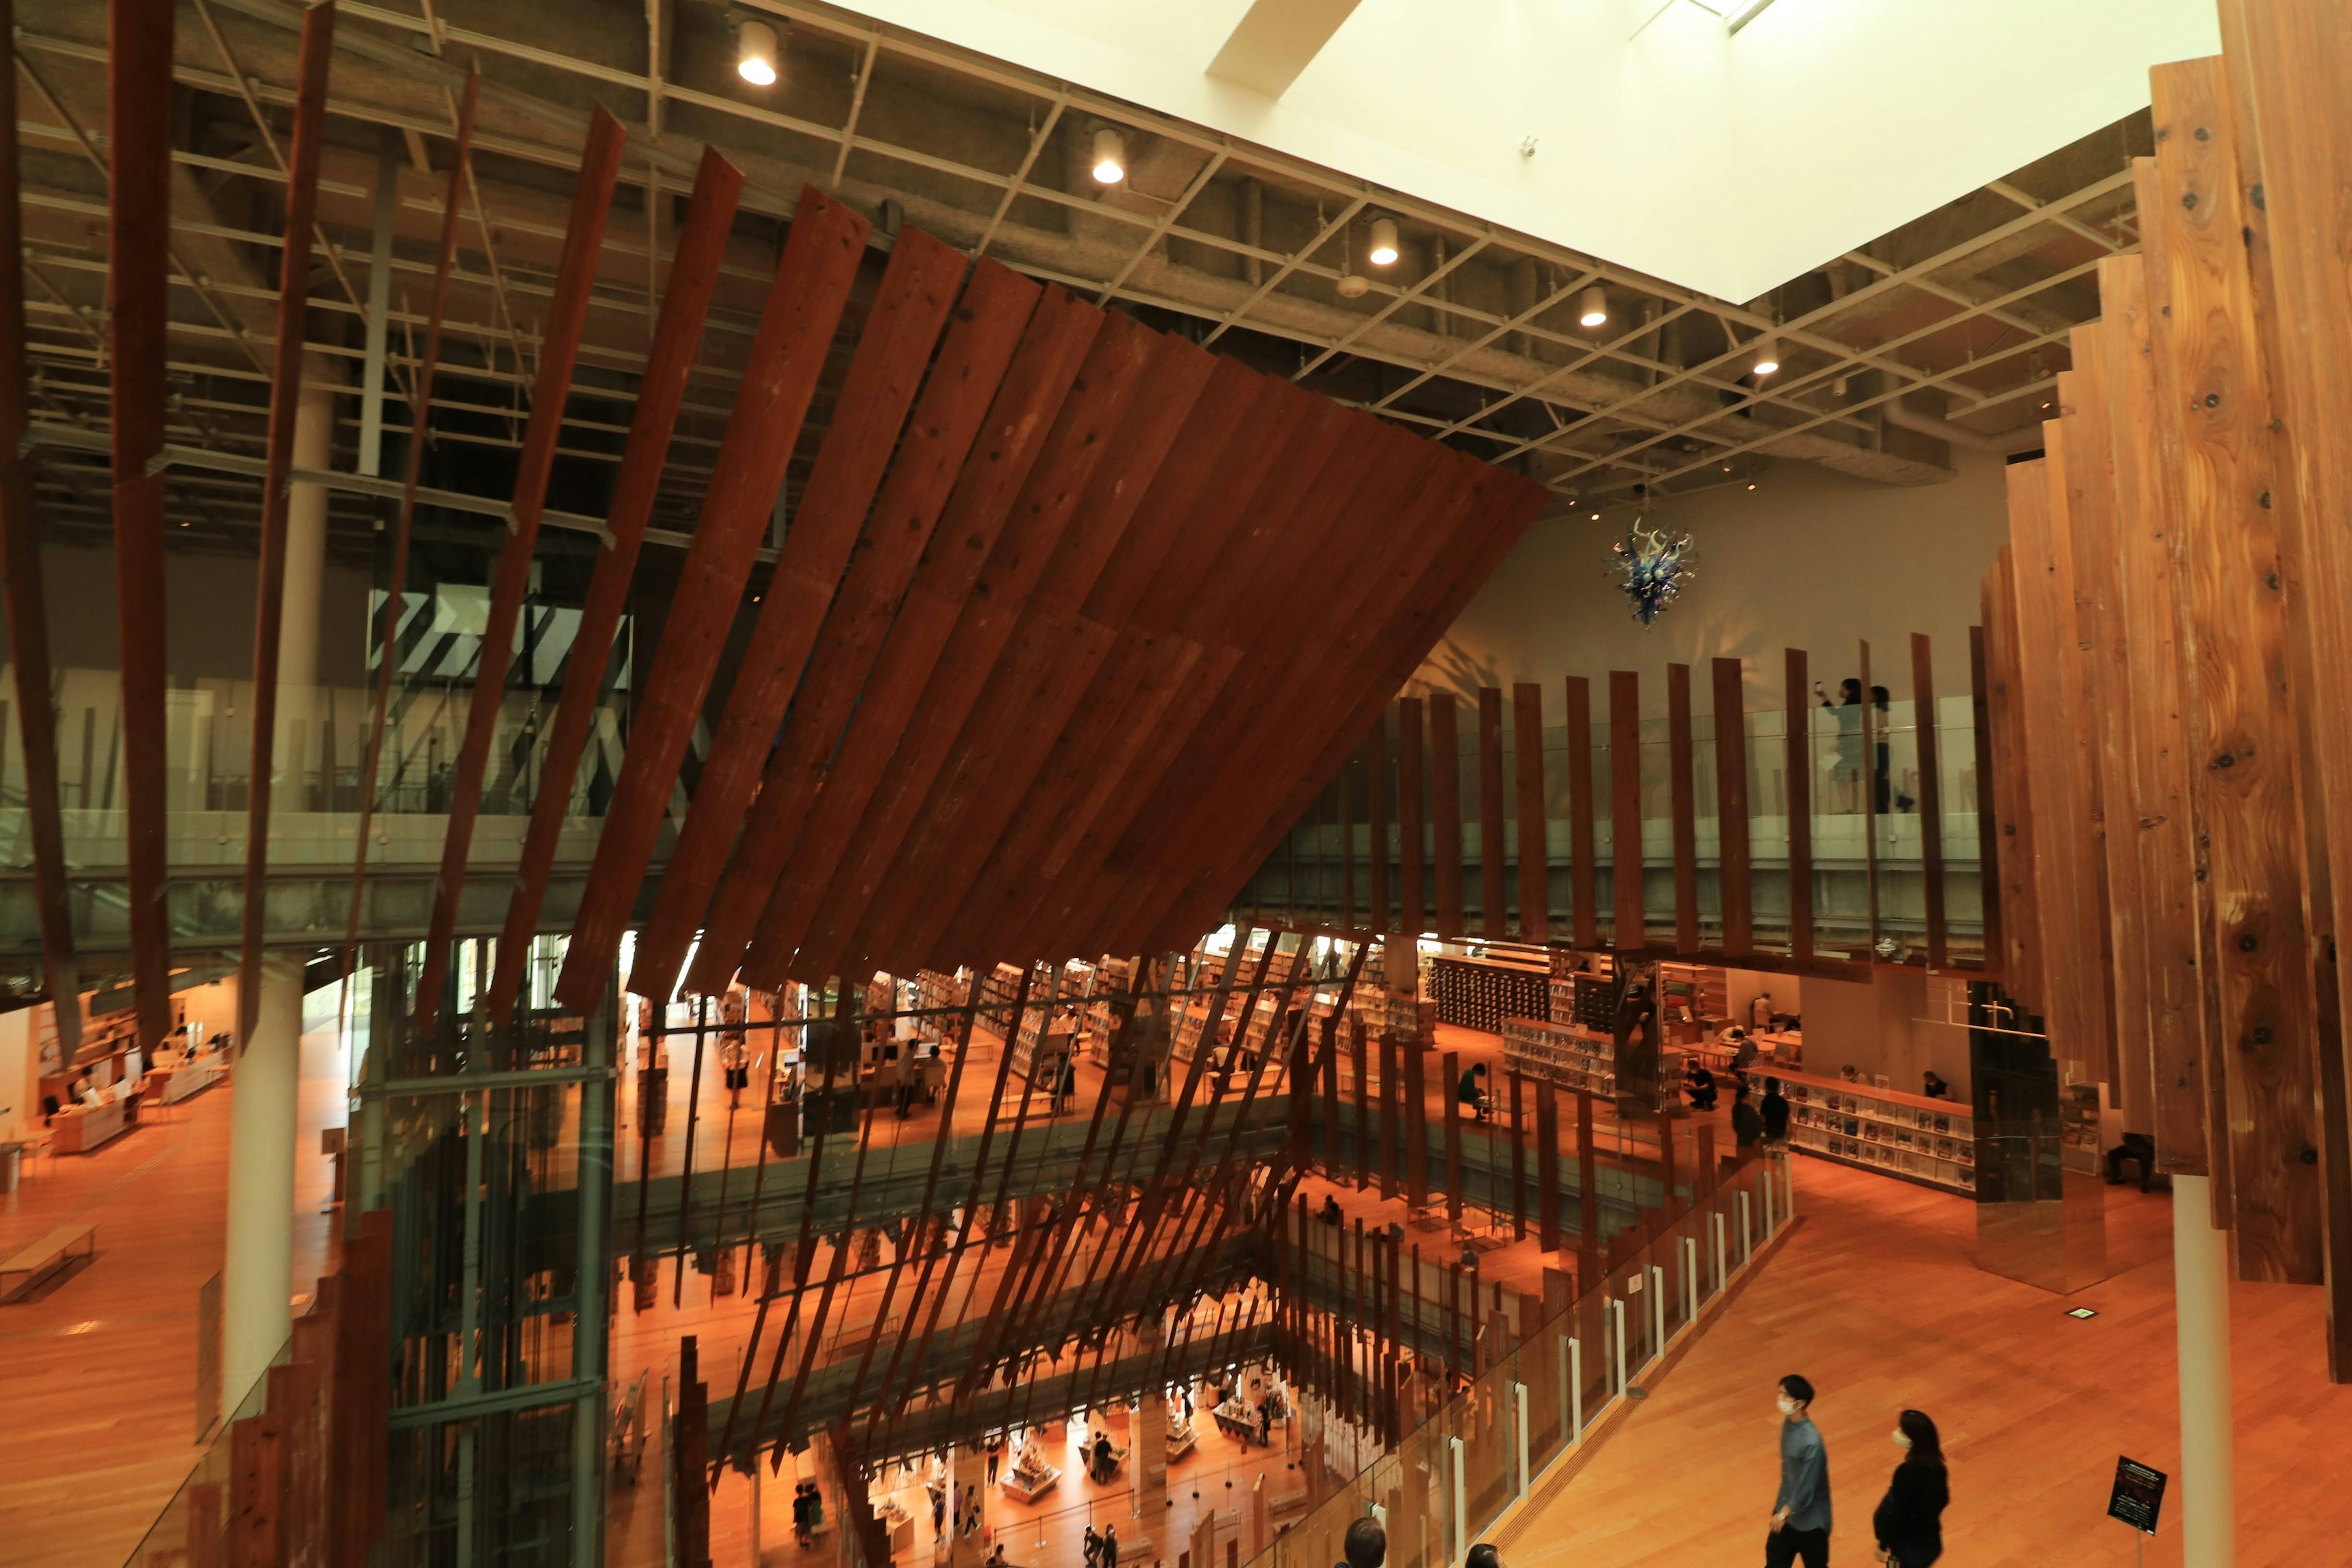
pixel 194 1524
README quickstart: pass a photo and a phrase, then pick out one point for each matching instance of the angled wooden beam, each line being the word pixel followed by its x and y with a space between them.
pixel 1682 767
pixel 693 277
pixel 315 53
pixel 1734 872
pixel 980 344
pixel 902 329
pixel 1632 931
pixel 1445 808
pixel 27 604
pixel 1931 798
pixel 1534 839
pixel 583 237
pixel 1798 787
pixel 404 529
pixel 138 218
pixel 1493 920
pixel 1583 878
pixel 795 337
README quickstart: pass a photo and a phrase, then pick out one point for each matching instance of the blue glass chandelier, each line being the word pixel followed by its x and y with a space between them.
pixel 1654 565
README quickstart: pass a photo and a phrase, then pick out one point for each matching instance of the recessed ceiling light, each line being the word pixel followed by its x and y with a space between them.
pixel 1110 156
pixel 1383 252
pixel 1595 311
pixel 755 54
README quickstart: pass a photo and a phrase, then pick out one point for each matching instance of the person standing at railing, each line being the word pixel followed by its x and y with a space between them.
pixel 1746 1122
pixel 1800 1512
pixel 1909 1523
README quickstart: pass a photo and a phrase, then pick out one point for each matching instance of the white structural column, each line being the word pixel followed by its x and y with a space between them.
pixel 258 1273
pixel 2201 1289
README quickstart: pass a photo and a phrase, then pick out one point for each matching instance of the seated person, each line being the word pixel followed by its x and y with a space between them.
pixel 2137 1146
pixel 1699 1084
pixel 1468 1091
pixel 1850 1073
pixel 1934 1087
pixel 1331 1215
pixel 1743 1050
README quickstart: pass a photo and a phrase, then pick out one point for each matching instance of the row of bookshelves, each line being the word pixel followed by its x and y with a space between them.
pixel 1479 994
pixel 1561 1053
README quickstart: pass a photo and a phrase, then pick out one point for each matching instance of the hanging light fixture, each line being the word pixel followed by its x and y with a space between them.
pixel 755 53
pixel 1768 357
pixel 1383 252
pixel 1594 312
pixel 1110 156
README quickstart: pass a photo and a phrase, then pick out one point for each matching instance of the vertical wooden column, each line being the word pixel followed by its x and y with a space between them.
pixel 1493 921
pixel 1365 1162
pixel 1584 882
pixel 1533 840
pixel 1348 846
pixel 1392 1094
pixel 1445 808
pixel 1733 873
pixel 1376 814
pixel 1681 755
pixel 1625 809
pixel 2021 904
pixel 1414 1108
pixel 1874 735
pixel 1412 916
pixel 1587 1195
pixel 1546 1165
pixel 1451 1063
pixel 1797 783
pixel 1518 1158
pixel 1931 798
pixel 1989 845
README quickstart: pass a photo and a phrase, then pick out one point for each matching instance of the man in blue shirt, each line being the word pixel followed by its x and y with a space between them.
pixel 1801 1513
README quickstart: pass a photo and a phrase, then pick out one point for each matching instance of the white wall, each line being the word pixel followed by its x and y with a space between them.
pixel 20 1101
pixel 1882 1028
pixel 1809 559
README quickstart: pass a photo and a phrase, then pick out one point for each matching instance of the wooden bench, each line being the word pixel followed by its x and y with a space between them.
pixel 36 1261
pixel 1283 1502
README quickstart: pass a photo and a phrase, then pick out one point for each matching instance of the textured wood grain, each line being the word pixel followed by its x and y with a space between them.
pixel 1987 820
pixel 1534 835
pixel 1583 835
pixel 1412 915
pixel 1629 932
pixel 1927 725
pixel 2020 907
pixel 1445 809
pixel 1682 791
pixel 1492 919
pixel 1380 913
pixel 1735 870
pixel 2212 387
pixel 1797 785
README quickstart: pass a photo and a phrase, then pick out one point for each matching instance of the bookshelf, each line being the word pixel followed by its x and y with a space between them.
pixel 1386 1014
pixel 1931 1141
pixel 1480 993
pixel 1566 1056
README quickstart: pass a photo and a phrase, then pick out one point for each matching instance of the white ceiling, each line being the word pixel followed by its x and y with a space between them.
pixel 1725 164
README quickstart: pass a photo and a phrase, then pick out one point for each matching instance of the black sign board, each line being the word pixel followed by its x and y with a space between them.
pixel 2138 1496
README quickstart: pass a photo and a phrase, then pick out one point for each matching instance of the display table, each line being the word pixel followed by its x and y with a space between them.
pixel 169 1085
pixel 1030 1485
pixel 79 1128
pixel 897 1524
pixel 1180 1438
pixel 1236 1418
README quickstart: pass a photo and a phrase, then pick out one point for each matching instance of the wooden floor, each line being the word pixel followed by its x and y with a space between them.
pixel 1877 1298
pixel 97 1366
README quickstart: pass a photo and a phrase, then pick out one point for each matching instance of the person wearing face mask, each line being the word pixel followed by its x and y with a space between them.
pixel 1909 1523
pixel 1800 1512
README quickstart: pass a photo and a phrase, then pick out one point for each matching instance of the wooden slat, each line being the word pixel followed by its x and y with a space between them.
pixel 1583 881
pixel 1682 764
pixel 2104 671
pixel 1412 914
pixel 1547 1237
pixel 2213 388
pixel 1534 839
pixel 1445 809
pixel 1874 736
pixel 797 328
pixel 1625 878
pixel 1025 563
pixel 139 99
pixel 2288 66
pixel 1493 921
pixel 1989 847
pixel 961 546
pixel 1346 807
pixel 313 57
pixel 1931 798
pixel 1451 1067
pixel 1734 871
pixel 567 314
pixel 693 277
pixel 2021 905
pixel 986 329
pixel 1798 788
pixel 1379 915
pixel 27 602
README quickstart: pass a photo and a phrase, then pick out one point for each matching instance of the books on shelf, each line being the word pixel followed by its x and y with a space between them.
pixel 1928 1141
pixel 1562 1052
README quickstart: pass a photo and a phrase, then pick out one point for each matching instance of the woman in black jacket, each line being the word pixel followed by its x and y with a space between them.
pixel 1909 1520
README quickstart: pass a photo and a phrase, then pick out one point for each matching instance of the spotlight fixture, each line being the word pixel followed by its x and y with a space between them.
pixel 1768 357
pixel 1595 308
pixel 755 53
pixel 1383 252
pixel 1110 156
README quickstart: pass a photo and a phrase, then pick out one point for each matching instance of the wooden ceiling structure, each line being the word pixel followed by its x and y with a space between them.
pixel 2168 649
pixel 1072 619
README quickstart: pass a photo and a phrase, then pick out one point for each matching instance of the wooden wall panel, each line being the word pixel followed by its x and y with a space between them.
pixel 1493 917
pixel 2290 73
pixel 2021 906
pixel 1583 878
pixel 1625 877
pixel 1735 870
pixel 1681 765
pixel 1412 914
pixel 1534 835
pixel 583 237
pixel 1445 809
pixel 1797 789
pixel 1379 916
pixel 1931 798
pixel 1987 822
pixel 2212 384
